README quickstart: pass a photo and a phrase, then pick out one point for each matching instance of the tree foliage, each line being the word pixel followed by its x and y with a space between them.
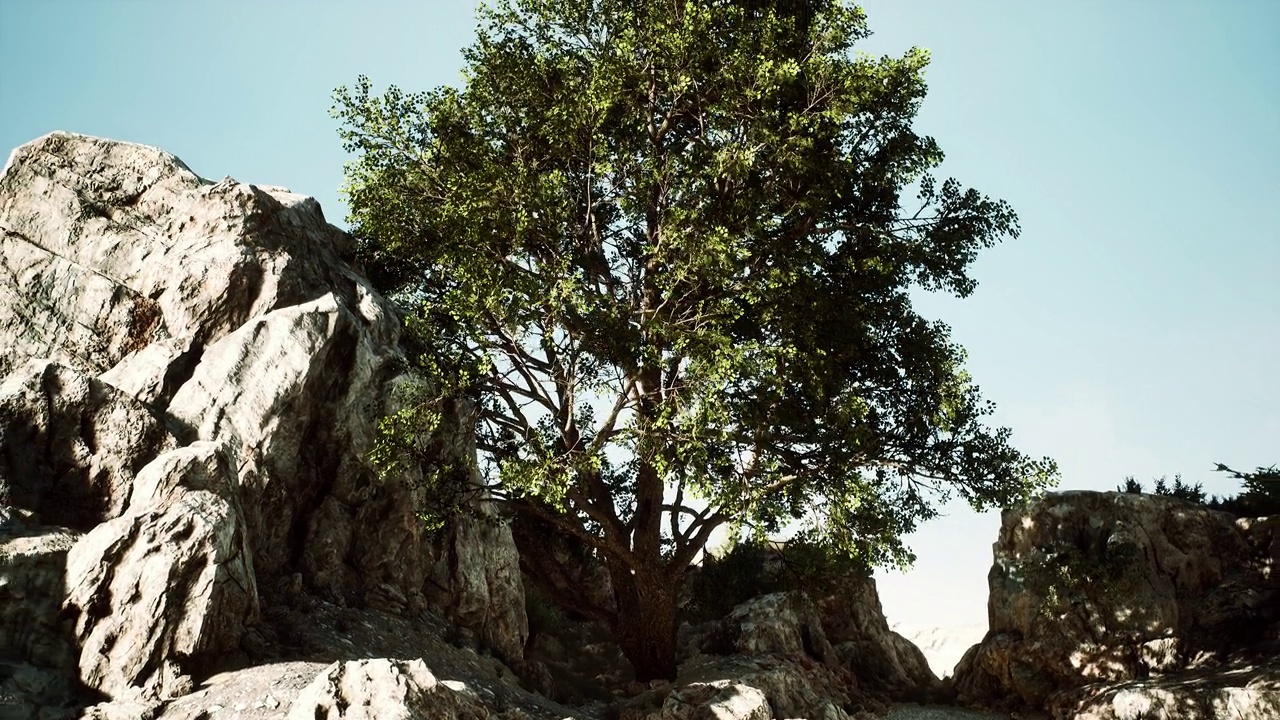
pixel 1260 495
pixel 671 246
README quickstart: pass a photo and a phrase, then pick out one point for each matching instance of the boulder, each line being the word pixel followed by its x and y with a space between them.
pixel 163 591
pixel 718 700
pixel 794 688
pixel 381 689
pixel 33 562
pixel 846 631
pixel 1096 589
pixel 195 377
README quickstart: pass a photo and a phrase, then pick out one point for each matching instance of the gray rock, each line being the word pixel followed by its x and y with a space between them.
pixel 33 562
pixel 381 689
pixel 718 700
pixel 72 444
pixel 1242 693
pixel 1099 589
pixel 164 310
pixel 170 584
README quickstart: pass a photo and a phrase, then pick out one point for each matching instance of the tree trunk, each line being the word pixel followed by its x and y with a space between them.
pixel 645 625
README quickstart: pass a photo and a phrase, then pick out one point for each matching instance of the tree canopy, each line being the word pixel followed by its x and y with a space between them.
pixel 669 247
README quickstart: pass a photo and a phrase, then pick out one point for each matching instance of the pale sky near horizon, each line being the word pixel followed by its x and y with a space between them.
pixel 1133 329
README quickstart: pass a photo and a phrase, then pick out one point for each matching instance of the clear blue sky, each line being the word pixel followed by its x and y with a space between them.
pixel 1133 329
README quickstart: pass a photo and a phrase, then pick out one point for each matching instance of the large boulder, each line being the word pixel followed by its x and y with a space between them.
pixel 1096 589
pixel 145 311
pixel 169 585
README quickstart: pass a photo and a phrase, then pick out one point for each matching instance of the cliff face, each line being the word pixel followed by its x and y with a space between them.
pixel 191 377
pixel 1103 604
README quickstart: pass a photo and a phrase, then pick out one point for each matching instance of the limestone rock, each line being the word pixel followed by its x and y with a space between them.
pixel 846 632
pixel 794 688
pixel 383 689
pixel 163 310
pixel 1242 694
pixel 1109 588
pixel 784 624
pixel 72 444
pixel 168 585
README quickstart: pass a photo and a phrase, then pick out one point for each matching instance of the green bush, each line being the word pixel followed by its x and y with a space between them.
pixel 754 567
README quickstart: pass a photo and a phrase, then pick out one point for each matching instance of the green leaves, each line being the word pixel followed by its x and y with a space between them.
pixel 668 246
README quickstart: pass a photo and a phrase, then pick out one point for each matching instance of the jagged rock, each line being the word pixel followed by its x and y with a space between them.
pixel 72 444
pixel 883 660
pixel 1108 588
pixel 170 584
pixel 848 634
pixel 33 560
pixel 381 689
pixel 177 310
pixel 780 623
pixel 486 585
pixel 718 700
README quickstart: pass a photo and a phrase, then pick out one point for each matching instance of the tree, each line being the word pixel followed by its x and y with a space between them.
pixel 665 244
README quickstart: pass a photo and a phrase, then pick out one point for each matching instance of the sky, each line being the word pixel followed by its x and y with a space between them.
pixel 1132 329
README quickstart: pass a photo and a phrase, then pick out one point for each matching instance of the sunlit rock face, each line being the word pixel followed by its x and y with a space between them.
pixel 191 375
pixel 1096 589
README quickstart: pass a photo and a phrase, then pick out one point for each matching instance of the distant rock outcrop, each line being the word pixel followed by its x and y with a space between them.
pixel 1106 601
pixel 191 377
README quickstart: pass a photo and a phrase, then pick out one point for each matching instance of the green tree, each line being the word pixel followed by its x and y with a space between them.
pixel 667 244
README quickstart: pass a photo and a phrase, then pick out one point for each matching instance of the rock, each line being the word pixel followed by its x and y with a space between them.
pixel 382 689
pixel 143 311
pixel 794 689
pixel 72 444
pixel 33 562
pixel 848 633
pixel 780 623
pixel 1111 588
pixel 486 587
pixel 883 660
pixel 1242 694
pixel 718 700
pixel 166 589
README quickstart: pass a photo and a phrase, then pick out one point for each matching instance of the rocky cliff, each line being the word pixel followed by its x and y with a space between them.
pixel 1117 605
pixel 192 379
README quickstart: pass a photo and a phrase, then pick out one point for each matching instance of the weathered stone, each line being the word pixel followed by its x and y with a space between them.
pixel 718 700
pixel 180 310
pixel 169 585
pixel 783 624
pixel 72 444
pixel 883 660
pixel 1114 587
pixel 1242 693
pixel 794 688
pixel 33 561
pixel 382 689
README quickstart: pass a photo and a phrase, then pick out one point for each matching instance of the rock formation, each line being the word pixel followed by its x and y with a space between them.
pixel 192 379
pixel 1106 601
